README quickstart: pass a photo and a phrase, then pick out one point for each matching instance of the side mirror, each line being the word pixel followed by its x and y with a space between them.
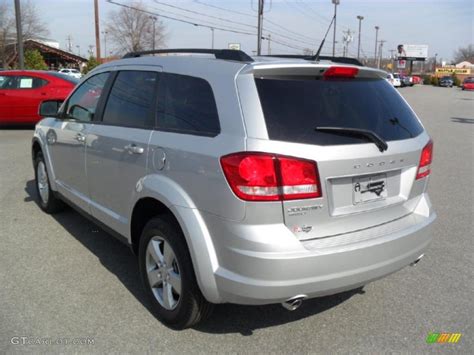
pixel 80 113
pixel 49 108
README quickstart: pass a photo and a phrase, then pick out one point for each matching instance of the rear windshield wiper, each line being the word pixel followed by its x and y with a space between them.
pixel 370 135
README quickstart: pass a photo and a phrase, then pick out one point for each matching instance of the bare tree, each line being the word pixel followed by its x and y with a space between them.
pixel 31 24
pixel 132 28
pixel 464 54
pixel 7 26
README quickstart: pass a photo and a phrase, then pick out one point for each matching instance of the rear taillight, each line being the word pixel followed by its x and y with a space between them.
pixel 424 168
pixel 340 72
pixel 257 176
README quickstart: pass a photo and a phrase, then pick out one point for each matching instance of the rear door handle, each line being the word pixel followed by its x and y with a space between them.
pixel 134 149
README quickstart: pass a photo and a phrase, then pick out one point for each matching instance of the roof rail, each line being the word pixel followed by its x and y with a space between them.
pixel 225 54
pixel 345 60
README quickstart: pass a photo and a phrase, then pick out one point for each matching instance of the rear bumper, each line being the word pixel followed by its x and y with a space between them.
pixel 321 268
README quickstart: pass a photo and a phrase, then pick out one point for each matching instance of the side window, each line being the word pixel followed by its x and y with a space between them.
pixel 83 103
pixel 186 105
pixel 130 100
pixel 21 82
pixel 8 82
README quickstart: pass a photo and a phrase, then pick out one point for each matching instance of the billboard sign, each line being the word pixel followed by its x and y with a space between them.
pixel 401 64
pixel 412 51
pixel 453 70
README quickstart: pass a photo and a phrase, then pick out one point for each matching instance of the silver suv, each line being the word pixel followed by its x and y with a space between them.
pixel 237 179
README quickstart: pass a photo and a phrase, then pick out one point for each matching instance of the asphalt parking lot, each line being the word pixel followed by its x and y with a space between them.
pixel 63 278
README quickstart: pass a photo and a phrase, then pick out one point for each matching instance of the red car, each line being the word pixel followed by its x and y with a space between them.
pixel 468 84
pixel 416 79
pixel 22 91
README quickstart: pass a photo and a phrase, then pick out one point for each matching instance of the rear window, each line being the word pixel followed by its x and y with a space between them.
pixel 294 106
pixel 65 77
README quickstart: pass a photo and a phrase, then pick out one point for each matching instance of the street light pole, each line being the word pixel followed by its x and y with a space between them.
pixel 379 61
pixel 154 18
pixel 360 18
pixel 376 42
pixel 335 2
pixel 19 35
pixel 212 43
pixel 105 43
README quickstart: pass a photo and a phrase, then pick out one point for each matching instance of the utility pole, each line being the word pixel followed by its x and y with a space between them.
pixel 376 43
pixel 392 59
pixel 360 18
pixel 78 50
pixel 335 2
pixel 346 39
pixel 69 44
pixel 380 53
pixel 19 35
pixel 97 29
pixel 269 49
pixel 260 26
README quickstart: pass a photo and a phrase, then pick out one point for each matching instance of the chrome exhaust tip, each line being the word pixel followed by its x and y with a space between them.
pixel 417 260
pixel 294 303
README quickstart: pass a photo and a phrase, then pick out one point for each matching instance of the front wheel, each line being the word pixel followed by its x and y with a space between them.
pixel 168 275
pixel 47 199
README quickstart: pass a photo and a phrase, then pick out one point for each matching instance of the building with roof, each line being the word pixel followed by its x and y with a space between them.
pixel 54 57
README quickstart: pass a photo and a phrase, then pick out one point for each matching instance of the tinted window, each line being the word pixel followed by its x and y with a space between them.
pixel 187 105
pixel 22 82
pixel 131 98
pixel 294 107
pixel 83 103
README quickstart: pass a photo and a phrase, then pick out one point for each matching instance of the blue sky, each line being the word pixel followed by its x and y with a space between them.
pixel 443 25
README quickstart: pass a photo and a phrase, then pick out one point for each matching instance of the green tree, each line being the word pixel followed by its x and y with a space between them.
pixel 456 80
pixel 34 60
pixel 91 64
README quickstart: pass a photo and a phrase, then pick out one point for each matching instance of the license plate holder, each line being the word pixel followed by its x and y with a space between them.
pixel 369 188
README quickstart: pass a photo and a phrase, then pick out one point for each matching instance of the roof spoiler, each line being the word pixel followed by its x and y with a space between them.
pixel 225 54
pixel 344 60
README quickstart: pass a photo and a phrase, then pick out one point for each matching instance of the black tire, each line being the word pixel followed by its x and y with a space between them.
pixel 191 306
pixel 52 204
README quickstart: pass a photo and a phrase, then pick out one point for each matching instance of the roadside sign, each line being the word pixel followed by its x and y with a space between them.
pixel 401 64
pixel 234 46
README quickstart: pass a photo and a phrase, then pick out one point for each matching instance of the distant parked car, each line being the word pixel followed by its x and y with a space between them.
pixel 446 81
pixel 406 81
pixel 22 91
pixel 416 79
pixel 468 84
pixel 71 72
pixel 393 79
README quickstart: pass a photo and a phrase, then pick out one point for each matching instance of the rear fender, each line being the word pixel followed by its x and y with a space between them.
pixel 198 238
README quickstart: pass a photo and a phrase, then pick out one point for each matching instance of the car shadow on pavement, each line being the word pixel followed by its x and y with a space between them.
pixel 17 127
pixel 226 318
pixel 462 120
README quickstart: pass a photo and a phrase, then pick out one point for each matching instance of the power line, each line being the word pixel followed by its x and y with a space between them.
pixel 180 20
pixel 230 21
pixel 199 24
pixel 268 21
